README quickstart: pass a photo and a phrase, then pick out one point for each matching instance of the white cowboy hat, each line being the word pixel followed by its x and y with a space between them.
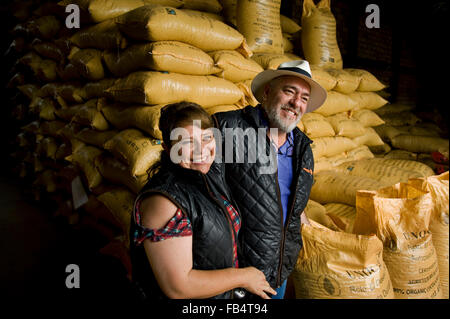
pixel 298 68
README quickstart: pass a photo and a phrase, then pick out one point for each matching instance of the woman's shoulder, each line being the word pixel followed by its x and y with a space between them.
pixel 156 210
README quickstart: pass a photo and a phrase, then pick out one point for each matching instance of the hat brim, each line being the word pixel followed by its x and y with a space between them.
pixel 317 96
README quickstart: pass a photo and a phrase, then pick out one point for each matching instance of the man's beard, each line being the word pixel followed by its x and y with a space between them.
pixel 278 122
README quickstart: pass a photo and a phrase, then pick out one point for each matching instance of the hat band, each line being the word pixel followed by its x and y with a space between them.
pixel 296 70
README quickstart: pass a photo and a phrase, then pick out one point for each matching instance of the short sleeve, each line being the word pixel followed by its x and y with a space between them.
pixel 178 226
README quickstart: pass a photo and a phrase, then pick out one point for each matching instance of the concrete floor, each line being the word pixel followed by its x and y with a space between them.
pixel 36 248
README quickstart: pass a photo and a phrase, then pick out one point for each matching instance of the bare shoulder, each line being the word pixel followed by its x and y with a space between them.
pixel 156 211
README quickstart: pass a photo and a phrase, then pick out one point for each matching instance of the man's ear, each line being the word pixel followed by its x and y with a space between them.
pixel 266 91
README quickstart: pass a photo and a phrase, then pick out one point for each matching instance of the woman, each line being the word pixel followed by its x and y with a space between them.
pixel 184 228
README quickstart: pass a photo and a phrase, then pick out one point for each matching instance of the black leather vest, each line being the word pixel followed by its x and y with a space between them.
pixel 266 243
pixel 198 196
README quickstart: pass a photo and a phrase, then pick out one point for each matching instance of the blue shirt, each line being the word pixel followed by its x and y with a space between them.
pixel 285 168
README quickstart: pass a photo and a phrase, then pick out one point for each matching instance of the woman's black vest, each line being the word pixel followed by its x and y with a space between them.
pixel 199 197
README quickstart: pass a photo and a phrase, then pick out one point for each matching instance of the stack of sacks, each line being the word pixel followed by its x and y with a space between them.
pixel 406 136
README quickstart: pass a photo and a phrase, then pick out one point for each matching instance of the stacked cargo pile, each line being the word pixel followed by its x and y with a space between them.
pixel 341 257
pixel 92 97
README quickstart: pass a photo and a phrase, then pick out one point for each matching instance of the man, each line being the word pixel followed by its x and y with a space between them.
pixel 271 203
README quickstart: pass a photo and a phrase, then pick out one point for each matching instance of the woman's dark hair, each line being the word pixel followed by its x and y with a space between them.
pixel 178 115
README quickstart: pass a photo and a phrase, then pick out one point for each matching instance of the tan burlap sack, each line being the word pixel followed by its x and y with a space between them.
pixel 143 117
pixel 234 66
pixel 317 212
pixel 367 100
pixel 94 137
pixel 51 128
pixel 259 22
pixel 420 144
pixel 288 25
pixel 88 63
pixel 116 172
pixel 166 23
pixel 96 89
pixel 382 170
pixel 338 265
pixel 319 35
pixel 342 215
pixel 345 125
pixel 120 202
pixel 401 154
pixel 335 187
pixel 288 45
pixel 336 103
pixel 101 10
pixel 368 82
pixel 221 108
pixel 269 61
pixel 438 187
pixel 104 35
pixel 248 98
pixel 229 11
pixel 210 15
pixel 84 157
pixel 369 138
pixel 325 79
pixel 134 149
pixel 203 5
pixel 345 82
pixel 387 132
pixel 400 119
pixel 170 56
pixel 400 215
pixel 330 146
pixel 367 117
pixel 147 87
pixel 394 108
pixel 48 50
pixel 315 125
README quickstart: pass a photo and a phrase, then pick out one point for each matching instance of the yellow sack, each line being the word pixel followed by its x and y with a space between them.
pixel 104 35
pixel 288 45
pixel 166 23
pixel 401 154
pixel 89 114
pixel 345 82
pixel 367 100
pixel 221 108
pixel 45 27
pixel 248 98
pixel 387 132
pixel 101 10
pixel 438 187
pixel 319 41
pixel 400 215
pixel 394 108
pixel 288 25
pixel 338 265
pixel 259 22
pixel 342 215
pixel 203 5
pixel 95 138
pixel 270 61
pixel 325 79
pixel 382 170
pixel 134 149
pixel 316 212
pixel 88 63
pixel 369 138
pixel 229 11
pixel 96 89
pixel 48 50
pixel 420 144
pixel 84 157
pixel 120 202
pixel 344 125
pixel 315 125
pixel 330 146
pixel 368 82
pixel 116 172
pixel 210 15
pixel 336 103
pixel 401 119
pixel 146 87
pixel 235 67
pixel 143 117
pixel 51 128
pixel 328 163
pixel 367 117
pixel 170 56
pixel 336 187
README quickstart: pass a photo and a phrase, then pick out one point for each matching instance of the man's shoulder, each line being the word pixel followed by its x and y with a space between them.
pixel 233 118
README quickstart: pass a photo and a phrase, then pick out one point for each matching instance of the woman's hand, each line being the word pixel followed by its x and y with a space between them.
pixel 256 283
